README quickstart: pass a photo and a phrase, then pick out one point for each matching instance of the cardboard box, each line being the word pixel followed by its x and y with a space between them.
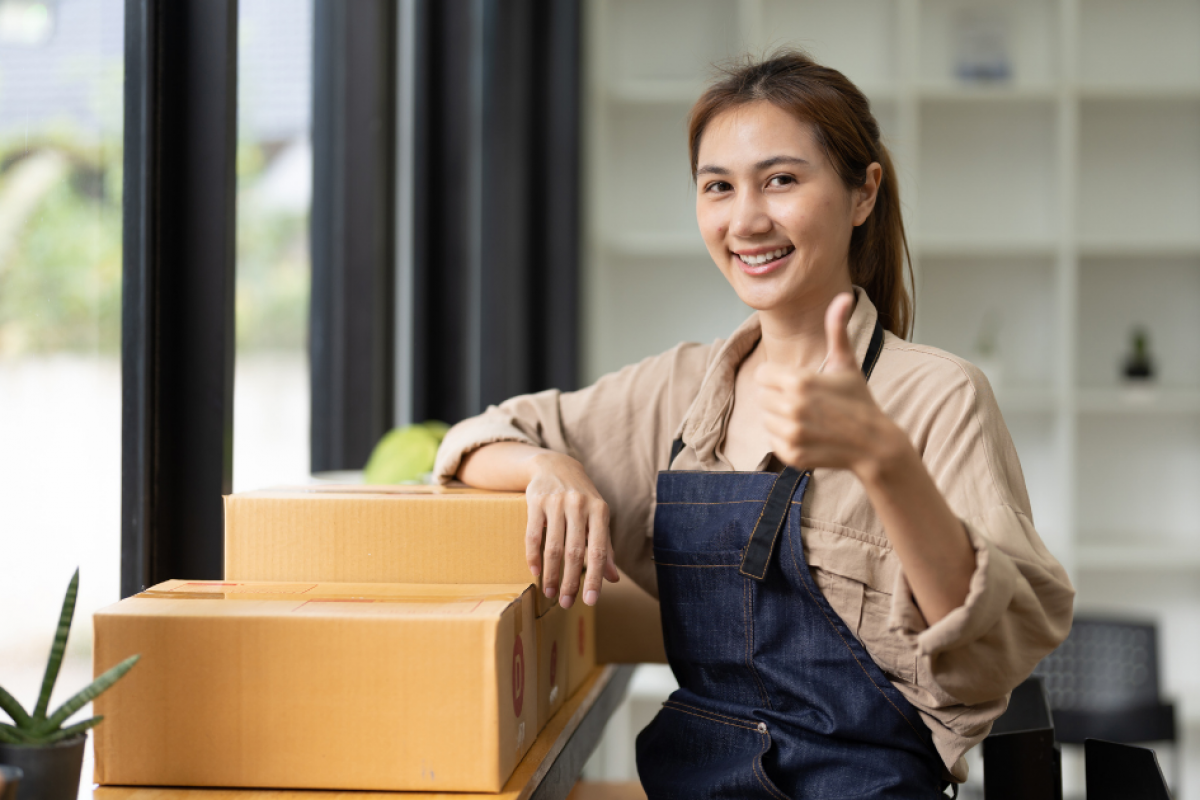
pixel 378 534
pixel 581 632
pixel 553 646
pixel 318 686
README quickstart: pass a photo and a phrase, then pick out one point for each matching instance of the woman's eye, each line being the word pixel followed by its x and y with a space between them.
pixel 717 186
pixel 781 180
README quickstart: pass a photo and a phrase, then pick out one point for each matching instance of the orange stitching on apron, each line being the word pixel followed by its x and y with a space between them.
pixel 833 625
pixel 675 705
pixel 693 566
pixel 757 767
pixel 748 616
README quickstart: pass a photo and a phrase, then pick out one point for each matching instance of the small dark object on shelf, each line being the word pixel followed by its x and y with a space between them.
pixel 1122 772
pixel 1020 756
pixel 1139 366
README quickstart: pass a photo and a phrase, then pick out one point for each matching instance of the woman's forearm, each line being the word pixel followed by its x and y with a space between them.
pixel 930 541
pixel 504 466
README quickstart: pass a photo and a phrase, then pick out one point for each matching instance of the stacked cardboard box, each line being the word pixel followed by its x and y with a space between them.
pixel 357 603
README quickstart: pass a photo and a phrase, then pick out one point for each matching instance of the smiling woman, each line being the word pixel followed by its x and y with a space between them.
pixel 834 519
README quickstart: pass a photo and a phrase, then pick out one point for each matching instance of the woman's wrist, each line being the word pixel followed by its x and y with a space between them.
pixel 889 454
pixel 544 461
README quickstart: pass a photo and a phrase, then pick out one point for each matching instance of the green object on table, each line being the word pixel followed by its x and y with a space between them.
pixel 405 455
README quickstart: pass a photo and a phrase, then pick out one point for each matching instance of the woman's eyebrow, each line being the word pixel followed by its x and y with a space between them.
pixel 766 163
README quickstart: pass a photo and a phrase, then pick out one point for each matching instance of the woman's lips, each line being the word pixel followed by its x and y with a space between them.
pixel 762 269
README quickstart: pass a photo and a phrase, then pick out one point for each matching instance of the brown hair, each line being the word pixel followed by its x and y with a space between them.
pixel 849 135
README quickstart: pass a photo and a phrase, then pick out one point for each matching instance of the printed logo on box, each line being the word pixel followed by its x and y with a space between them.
pixel 518 676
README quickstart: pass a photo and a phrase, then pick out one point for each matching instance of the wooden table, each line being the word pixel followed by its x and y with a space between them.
pixel 548 771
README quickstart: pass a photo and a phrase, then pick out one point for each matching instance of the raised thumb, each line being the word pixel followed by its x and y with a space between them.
pixel 841 354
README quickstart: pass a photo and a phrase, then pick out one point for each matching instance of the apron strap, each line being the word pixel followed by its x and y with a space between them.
pixel 757 556
pixel 762 541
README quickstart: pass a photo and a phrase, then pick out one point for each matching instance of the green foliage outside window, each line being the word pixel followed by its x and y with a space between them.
pixel 60 252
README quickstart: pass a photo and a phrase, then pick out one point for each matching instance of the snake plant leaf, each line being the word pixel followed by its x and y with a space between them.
pixel 86 696
pixel 58 648
pixel 73 730
pixel 14 709
pixel 10 734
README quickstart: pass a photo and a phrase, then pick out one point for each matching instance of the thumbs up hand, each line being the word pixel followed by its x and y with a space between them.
pixel 825 418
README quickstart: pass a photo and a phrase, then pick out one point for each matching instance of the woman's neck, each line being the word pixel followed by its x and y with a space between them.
pixel 796 336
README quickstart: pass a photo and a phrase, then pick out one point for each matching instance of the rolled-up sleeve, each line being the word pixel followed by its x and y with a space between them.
pixel 1019 603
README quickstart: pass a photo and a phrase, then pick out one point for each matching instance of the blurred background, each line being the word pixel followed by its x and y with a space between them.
pixel 537 226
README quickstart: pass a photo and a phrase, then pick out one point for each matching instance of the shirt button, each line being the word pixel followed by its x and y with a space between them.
pixel 762 727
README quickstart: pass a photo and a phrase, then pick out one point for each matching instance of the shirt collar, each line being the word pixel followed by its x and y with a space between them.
pixel 704 423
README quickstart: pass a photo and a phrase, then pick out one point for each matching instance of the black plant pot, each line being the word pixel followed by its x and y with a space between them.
pixel 51 771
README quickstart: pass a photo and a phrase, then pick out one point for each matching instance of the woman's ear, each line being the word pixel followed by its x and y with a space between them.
pixel 864 196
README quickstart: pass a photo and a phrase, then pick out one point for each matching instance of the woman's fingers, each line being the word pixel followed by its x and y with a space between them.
pixel 556 534
pixel 598 553
pixel 534 528
pixel 576 551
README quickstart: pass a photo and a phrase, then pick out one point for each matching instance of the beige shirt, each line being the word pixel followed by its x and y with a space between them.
pixel 958 672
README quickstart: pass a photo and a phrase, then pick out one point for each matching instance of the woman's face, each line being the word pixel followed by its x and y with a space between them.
pixel 774 213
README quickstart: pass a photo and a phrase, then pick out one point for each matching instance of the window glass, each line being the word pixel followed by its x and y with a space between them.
pixel 61 80
pixel 271 383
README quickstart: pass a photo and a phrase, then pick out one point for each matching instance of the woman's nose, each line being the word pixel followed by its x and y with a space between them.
pixel 750 216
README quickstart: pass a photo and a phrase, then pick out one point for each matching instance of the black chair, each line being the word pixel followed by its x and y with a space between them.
pixel 1020 756
pixel 1103 684
pixel 1122 772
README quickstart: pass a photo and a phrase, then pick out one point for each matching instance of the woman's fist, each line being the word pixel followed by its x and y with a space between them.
pixel 824 418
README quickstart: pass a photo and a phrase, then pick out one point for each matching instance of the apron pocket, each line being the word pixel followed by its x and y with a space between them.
pixel 688 751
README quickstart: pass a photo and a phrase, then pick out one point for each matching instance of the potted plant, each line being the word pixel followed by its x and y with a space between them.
pixel 49 755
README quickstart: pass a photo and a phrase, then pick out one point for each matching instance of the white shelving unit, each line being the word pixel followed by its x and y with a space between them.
pixel 1063 202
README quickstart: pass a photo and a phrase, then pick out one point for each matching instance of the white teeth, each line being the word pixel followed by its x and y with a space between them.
pixel 754 261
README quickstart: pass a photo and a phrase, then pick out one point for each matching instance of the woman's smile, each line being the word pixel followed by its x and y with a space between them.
pixel 761 260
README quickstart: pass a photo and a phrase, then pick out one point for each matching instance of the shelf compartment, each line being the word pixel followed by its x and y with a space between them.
pixel 1161 249
pixel 659 244
pixel 1138 473
pixel 1180 93
pixel 988 172
pixel 969 249
pixel 656 92
pixel 1133 156
pixel 702 33
pixel 1037 438
pixel 1138 44
pixel 957 297
pixel 646 185
pixel 1135 400
pixel 649 305
pixel 1159 294
pixel 1128 553
pixel 988 93
pixel 1031 28
pixel 855 37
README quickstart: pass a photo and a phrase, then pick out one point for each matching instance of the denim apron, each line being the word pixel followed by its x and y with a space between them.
pixel 777 698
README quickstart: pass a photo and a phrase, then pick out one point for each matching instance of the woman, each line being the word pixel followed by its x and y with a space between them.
pixel 835 520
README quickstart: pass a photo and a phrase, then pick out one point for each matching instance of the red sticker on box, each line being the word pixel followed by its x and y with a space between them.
pixel 518 676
